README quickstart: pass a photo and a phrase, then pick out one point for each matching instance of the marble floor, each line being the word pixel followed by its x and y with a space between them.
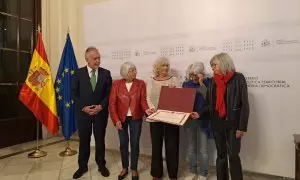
pixel 53 167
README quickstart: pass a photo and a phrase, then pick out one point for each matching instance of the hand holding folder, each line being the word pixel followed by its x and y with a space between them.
pixel 175 105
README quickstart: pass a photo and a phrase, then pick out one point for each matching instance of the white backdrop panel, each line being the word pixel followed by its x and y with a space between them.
pixel 263 37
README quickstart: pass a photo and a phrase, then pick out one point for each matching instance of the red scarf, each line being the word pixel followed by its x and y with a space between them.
pixel 221 81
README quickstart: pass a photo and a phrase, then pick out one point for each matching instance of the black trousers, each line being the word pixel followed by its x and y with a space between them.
pixel 170 133
pixel 85 126
pixel 227 146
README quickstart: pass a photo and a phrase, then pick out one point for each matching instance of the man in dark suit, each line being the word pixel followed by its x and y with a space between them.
pixel 90 91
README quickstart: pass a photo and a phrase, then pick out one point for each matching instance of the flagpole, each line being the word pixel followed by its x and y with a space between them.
pixel 68 151
pixel 37 153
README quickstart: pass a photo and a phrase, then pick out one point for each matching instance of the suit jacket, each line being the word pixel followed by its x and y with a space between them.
pixel 121 100
pixel 83 94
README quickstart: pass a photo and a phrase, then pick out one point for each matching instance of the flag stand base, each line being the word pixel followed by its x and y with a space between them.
pixel 37 154
pixel 68 151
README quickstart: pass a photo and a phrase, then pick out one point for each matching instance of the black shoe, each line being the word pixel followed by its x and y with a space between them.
pixel 123 176
pixel 104 171
pixel 135 177
pixel 79 173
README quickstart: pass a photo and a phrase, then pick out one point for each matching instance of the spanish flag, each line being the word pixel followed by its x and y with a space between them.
pixel 37 93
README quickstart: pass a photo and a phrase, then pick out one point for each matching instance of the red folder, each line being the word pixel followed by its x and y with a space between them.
pixel 177 99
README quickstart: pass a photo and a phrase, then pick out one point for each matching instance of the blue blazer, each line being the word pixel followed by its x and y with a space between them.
pixel 200 103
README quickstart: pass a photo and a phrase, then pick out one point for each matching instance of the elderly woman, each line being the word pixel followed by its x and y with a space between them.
pixel 127 104
pixel 162 131
pixel 229 108
pixel 197 127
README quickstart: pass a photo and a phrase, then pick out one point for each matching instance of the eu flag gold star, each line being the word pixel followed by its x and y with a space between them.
pixel 58 81
pixel 67 105
pixel 66 70
pixel 59 97
pixel 57 89
pixel 72 72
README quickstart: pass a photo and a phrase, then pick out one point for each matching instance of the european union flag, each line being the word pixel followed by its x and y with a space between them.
pixel 65 105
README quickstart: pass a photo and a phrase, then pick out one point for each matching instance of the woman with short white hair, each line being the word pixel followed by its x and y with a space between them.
pixel 229 108
pixel 127 105
pixel 197 128
pixel 162 131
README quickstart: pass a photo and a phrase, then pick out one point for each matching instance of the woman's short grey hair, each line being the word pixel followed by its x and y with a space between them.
pixel 195 68
pixel 159 62
pixel 125 67
pixel 89 49
pixel 224 61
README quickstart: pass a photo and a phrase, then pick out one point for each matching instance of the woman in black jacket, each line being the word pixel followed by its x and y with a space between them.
pixel 229 108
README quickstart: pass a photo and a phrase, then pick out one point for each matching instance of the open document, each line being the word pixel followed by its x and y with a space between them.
pixel 175 105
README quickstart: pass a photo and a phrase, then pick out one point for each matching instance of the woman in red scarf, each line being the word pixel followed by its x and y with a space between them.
pixel 229 108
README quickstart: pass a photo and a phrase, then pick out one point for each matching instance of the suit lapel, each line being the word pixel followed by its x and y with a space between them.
pixel 133 87
pixel 123 86
pixel 87 78
pixel 99 79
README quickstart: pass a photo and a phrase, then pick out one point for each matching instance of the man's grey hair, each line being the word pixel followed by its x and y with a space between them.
pixel 125 67
pixel 195 68
pixel 89 49
pixel 224 61
pixel 159 62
